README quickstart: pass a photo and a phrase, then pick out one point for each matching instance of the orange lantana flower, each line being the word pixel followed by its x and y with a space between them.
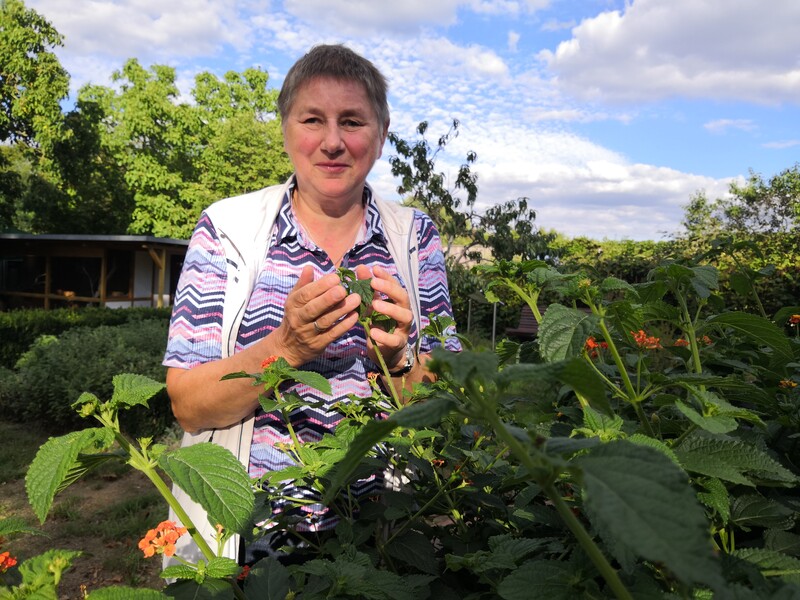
pixel 794 320
pixel 6 561
pixel 592 346
pixel 645 341
pixel 268 361
pixel 787 384
pixel 682 343
pixel 161 540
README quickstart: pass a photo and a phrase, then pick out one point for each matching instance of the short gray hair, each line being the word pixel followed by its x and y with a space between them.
pixel 338 62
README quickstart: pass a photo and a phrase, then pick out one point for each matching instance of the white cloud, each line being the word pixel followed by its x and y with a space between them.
pixel 711 49
pixel 146 28
pixel 555 25
pixel 723 125
pixel 781 145
pixel 513 40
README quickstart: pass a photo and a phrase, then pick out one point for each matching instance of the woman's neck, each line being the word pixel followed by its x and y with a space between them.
pixel 332 227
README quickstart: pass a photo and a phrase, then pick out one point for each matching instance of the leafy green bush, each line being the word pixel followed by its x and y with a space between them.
pixel 21 328
pixel 54 372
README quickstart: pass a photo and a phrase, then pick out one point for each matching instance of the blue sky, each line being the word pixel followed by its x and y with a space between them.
pixel 609 115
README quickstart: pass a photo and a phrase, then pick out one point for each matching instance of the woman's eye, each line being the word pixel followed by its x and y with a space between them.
pixel 351 124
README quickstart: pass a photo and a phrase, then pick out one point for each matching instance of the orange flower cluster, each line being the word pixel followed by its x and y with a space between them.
pixel 245 572
pixel 644 341
pixel 268 361
pixel 684 343
pixel 592 346
pixel 794 320
pixel 6 561
pixel 787 384
pixel 161 540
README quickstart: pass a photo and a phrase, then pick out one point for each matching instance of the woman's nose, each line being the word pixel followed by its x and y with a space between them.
pixel 332 140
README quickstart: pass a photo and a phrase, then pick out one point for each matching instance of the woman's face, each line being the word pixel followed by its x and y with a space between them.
pixel 333 138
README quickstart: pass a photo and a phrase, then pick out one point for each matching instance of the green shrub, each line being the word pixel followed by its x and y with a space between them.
pixel 19 329
pixel 54 372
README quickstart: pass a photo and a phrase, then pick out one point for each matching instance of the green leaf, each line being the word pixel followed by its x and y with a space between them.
pixel 132 390
pixel 372 433
pixel 179 572
pixel 563 332
pixel 221 567
pixel 758 330
pixel 267 580
pixel 716 497
pixel 712 424
pixel 415 549
pixel 10 526
pixel 753 510
pixel 41 573
pixel 422 414
pixel 645 440
pixel 312 380
pixel 464 366
pixel 214 478
pixel 549 579
pixel 731 460
pixel 55 463
pixel 642 504
pixel 771 563
pixel 613 284
pixel 125 593
pixel 210 589
pixel 782 541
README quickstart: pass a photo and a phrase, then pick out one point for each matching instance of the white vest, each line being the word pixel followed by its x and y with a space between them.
pixel 244 227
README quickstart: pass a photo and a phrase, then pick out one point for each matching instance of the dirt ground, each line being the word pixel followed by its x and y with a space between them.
pixel 77 513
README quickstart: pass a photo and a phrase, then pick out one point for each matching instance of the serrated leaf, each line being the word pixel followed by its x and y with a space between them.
pixel 712 424
pixel 731 460
pixel 125 593
pixel 210 589
pixel 179 572
pixel 645 440
pixel 539 579
pixel 563 332
pixel 372 433
pixel 466 365
pixel 753 510
pixel 10 526
pixel 716 497
pixel 214 478
pixel 414 549
pixel 55 462
pixel 782 541
pixel 613 284
pixel 422 414
pixel 643 505
pixel 771 563
pixel 221 567
pixel 760 331
pixel 132 390
pixel 268 580
pixel 312 380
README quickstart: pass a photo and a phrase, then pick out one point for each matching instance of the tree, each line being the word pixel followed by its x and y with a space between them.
pixel 507 229
pixel 32 80
pixel 757 207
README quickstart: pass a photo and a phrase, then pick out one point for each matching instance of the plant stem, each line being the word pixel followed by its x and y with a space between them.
pixel 584 539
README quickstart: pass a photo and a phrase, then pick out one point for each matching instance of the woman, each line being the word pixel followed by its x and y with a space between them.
pixel 335 120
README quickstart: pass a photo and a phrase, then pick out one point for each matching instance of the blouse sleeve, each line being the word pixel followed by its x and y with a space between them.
pixel 195 330
pixel 433 292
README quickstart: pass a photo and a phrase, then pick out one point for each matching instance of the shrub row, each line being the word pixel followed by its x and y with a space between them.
pixel 19 329
pixel 50 376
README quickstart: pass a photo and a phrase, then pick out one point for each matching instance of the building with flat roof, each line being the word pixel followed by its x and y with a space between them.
pixel 116 271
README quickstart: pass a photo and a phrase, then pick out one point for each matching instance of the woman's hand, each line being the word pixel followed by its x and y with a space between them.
pixel 390 299
pixel 316 313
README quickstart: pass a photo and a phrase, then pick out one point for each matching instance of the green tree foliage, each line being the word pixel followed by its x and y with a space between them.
pixel 507 229
pixel 32 80
pixel 133 158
